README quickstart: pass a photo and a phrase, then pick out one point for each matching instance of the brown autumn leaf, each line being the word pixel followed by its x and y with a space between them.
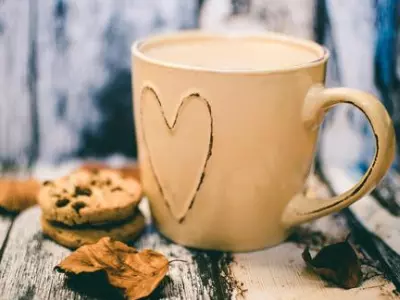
pixel 18 194
pixel 137 273
pixel 338 263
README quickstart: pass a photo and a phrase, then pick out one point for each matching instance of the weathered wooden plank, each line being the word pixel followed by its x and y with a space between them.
pixel 353 66
pixel 70 45
pixel 6 221
pixel 26 268
pixel 84 87
pixel 374 217
pixel 29 258
pixel 276 273
pixel 71 85
pixel 16 84
pixel 280 272
pixel 292 17
pixel 198 278
pixel 388 193
pixel 349 19
pixel 367 216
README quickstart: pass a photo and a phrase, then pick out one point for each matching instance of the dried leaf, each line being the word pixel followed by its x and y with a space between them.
pixel 338 263
pixel 136 273
pixel 18 194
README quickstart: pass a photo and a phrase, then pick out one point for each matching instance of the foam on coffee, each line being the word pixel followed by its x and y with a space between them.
pixel 231 53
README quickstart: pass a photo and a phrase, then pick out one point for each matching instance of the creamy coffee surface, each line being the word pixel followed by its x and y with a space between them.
pixel 231 53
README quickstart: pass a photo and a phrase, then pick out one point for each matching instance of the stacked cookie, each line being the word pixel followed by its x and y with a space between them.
pixel 87 205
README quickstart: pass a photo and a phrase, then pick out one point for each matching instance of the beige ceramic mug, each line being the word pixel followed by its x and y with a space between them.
pixel 227 129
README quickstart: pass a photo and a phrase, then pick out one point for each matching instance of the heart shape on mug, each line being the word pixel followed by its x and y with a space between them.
pixel 179 148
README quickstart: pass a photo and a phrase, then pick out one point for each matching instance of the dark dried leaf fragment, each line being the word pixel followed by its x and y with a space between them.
pixel 337 263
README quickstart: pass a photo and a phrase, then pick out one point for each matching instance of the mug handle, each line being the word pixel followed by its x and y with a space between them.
pixel 318 101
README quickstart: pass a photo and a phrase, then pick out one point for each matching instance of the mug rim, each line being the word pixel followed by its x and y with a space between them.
pixel 321 51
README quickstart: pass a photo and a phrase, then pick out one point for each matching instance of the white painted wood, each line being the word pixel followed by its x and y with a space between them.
pixel 353 31
pixel 294 17
pixel 15 111
pixel 28 261
pixel 29 258
pixel 71 66
pixel 280 273
pixel 275 273
pixel 5 224
pixel 367 210
pixel 81 51
pixel 352 36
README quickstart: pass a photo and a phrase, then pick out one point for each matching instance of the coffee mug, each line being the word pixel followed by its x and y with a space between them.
pixel 227 128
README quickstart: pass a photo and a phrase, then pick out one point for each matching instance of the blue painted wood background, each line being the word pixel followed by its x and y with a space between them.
pixel 65 81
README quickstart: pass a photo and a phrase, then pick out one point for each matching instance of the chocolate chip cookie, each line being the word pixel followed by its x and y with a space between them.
pixel 75 237
pixel 129 170
pixel 89 197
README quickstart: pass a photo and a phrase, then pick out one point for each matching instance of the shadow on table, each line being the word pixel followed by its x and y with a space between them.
pixel 96 286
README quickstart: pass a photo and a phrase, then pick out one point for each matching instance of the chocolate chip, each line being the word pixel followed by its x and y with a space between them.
pixel 93 182
pixel 108 182
pixel 81 191
pixel 116 189
pixel 47 182
pixel 62 202
pixel 77 206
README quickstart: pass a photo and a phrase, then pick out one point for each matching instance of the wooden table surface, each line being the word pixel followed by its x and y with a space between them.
pixel 27 257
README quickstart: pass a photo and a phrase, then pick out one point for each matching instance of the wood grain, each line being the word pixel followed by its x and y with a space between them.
pixel 294 17
pixel 16 84
pixel 199 277
pixel 26 268
pixel 28 258
pixel 376 229
pixel 65 77
pixel 352 65
pixel 6 221
pixel 84 87
pixel 280 272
